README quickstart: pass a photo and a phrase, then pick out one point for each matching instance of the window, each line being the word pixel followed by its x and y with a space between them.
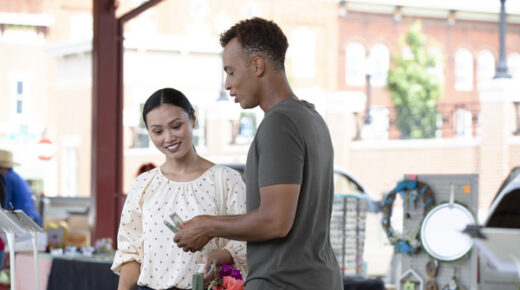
pixel 69 164
pixel 436 68
pixel 19 97
pixel 513 64
pixel 380 122
pixel 380 61
pixel 21 34
pixel 463 123
pixel 303 53
pixel 199 132
pixel 355 64
pixel 407 53
pixel 140 138
pixel 81 27
pixel 244 129
pixel 485 66
pixel 463 70
pixel 20 93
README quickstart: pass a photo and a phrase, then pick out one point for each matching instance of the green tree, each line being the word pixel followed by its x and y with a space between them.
pixel 413 90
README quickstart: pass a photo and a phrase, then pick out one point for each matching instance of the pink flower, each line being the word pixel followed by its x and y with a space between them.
pixel 229 278
pixel 231 283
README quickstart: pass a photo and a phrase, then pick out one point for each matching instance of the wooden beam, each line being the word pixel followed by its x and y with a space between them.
pixel 107 116
pixel 107 150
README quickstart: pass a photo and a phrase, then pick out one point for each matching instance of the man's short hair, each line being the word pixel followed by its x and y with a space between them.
pixel 259 37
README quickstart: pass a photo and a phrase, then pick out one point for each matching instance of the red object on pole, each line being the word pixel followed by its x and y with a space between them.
pixel 46 149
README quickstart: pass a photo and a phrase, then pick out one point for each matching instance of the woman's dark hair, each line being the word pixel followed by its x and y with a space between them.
pixel 167 96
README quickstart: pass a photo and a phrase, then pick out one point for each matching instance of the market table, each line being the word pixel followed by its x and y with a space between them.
pixel 66 272
pixel 356 283
pixel 81 273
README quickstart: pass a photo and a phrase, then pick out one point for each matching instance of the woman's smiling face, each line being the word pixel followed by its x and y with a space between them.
pixel 171 130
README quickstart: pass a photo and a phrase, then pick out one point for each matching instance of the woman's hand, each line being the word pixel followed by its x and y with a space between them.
pixel 211 261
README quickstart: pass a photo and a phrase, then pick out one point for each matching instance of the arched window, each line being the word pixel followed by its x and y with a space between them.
pixel 380 61
pixel 463 70
pixel 355 64
pixel 303 52
pixel 463 123
pixel 513 64
pixel 485 66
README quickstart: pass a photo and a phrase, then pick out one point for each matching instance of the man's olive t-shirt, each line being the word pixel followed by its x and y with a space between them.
pixel 293 146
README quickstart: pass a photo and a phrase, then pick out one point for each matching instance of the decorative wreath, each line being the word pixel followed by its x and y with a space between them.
pixel 400 244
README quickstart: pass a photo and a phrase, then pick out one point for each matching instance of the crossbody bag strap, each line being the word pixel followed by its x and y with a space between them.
pixel 220 194
pixel 220 191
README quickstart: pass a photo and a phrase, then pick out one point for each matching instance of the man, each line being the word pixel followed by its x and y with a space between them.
pixel 289 172
pixel 18 191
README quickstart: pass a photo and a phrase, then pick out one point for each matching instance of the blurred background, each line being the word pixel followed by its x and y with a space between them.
pixel 406 87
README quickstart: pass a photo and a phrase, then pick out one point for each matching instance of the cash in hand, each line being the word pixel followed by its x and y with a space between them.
pixel 176 222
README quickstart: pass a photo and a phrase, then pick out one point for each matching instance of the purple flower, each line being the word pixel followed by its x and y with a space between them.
pixel 228 270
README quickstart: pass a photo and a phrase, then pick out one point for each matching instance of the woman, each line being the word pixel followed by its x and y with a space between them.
pixel 186 184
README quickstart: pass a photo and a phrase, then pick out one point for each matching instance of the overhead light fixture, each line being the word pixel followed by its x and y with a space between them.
pixel 398 13
pixel 342 10
pixel 451 17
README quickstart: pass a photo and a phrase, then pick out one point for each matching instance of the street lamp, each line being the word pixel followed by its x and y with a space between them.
pixel 502 63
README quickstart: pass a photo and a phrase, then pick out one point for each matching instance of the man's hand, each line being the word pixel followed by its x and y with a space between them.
pixel 193 235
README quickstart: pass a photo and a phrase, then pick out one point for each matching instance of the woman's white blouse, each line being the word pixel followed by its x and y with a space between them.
pixel 143 237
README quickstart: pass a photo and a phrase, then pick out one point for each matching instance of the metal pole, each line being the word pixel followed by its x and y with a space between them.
pixel 10 243
pixel 343 237
pixel 502 63
pixel 368 119
pixel 34 238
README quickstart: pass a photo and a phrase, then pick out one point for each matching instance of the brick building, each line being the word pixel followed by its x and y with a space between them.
pixel 464 39
pixel 464 42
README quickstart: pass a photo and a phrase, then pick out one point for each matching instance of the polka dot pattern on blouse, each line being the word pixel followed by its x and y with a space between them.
pixel 144 238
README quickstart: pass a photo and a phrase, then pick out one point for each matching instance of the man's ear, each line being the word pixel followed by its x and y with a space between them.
pixel 259 65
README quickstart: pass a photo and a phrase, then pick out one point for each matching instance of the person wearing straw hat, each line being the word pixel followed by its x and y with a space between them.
pixel 18 191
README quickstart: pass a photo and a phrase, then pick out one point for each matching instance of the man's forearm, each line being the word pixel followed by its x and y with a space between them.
pixel 273 219
pixel 252 227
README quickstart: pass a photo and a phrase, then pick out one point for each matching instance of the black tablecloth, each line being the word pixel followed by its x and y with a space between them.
pixel 363 284
pixel 78 275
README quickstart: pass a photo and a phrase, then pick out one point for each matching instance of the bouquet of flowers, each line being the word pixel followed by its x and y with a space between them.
pixel 229 278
